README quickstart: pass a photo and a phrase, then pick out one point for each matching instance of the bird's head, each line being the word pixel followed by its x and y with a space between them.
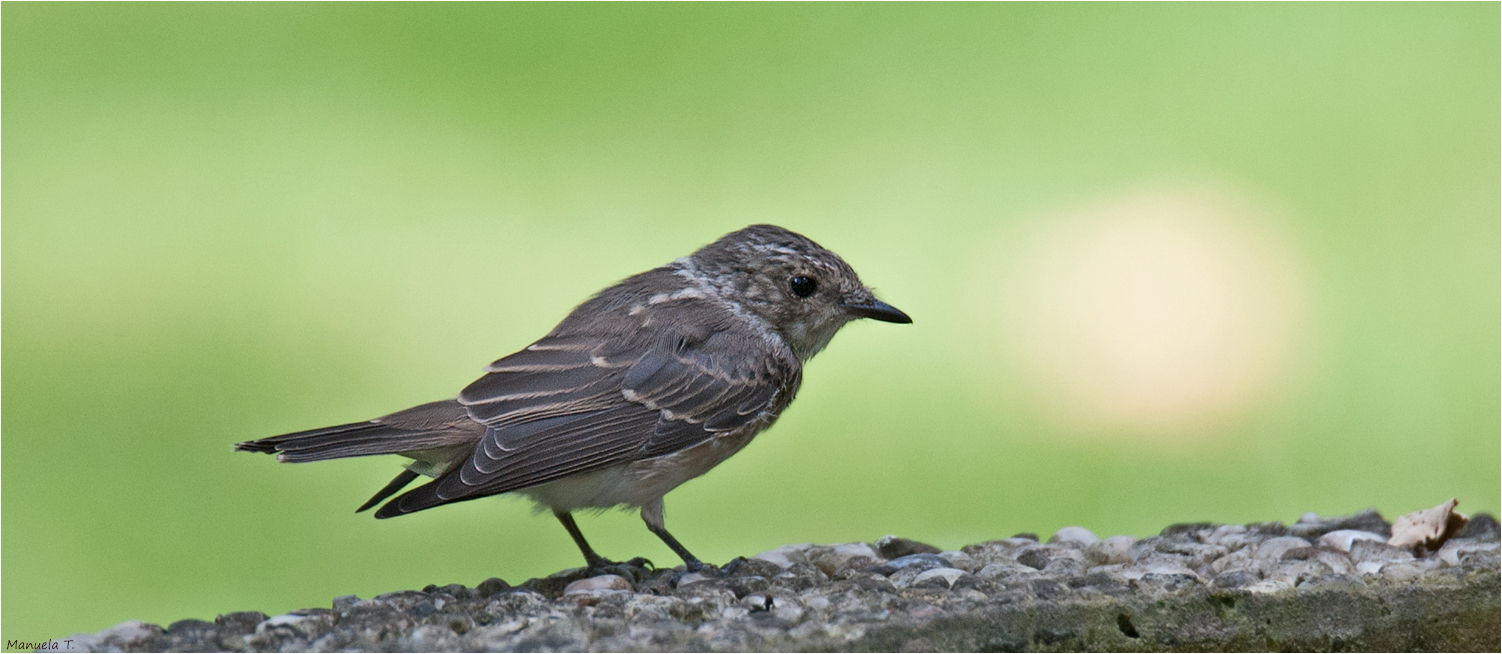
pixel 803 291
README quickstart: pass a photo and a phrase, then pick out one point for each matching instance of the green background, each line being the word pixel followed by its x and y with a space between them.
pixel 228 221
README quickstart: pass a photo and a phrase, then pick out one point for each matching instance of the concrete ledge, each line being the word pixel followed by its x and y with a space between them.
pixel 1321 584
pixel 1460 616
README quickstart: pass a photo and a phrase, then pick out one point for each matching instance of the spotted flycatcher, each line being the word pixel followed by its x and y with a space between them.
pixel 648 384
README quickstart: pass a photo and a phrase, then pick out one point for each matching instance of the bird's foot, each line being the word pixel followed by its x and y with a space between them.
pixel 635 570
pixel 729 569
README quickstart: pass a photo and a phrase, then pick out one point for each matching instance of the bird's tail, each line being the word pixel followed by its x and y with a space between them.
pixel 432 426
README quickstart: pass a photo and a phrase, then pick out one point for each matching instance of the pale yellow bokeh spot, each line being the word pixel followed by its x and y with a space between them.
pixel 1161 311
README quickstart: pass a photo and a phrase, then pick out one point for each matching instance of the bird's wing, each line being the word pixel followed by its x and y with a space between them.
pixel 573 404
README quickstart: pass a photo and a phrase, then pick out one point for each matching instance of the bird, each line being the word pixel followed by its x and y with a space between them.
pixel 649 383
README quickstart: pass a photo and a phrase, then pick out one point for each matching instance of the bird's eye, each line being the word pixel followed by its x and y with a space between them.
pixel 803 286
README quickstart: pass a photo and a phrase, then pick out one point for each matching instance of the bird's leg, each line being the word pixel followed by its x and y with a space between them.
pixel 595 562
pixel 590 557
pixel 652 515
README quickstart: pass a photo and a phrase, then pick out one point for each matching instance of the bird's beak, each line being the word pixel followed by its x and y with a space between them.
pixel 876 309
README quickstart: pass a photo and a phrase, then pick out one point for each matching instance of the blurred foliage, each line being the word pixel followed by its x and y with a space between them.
pixel 228 221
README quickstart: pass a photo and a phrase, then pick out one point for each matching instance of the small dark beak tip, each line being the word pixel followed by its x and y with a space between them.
pixel 878 310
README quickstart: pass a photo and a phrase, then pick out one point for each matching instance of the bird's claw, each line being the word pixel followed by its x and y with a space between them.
pixel 635 570
pixel 733 565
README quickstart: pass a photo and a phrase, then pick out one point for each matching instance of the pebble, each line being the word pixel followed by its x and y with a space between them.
pixel 1341 539
pixel 1140 570
pixel 1296 572
pixel 304 625
pixel 1271 551
pixel 491 586
pixel 1159 583
pixel 130 630
pixel 1402 570
pixel 786 555
pixel 1452 550
pixel 1080 535
pixel 1227 534
pixel 1337 562
pixel 687 579
pixel 1235 579
pixel 344 603
pixel 1369 567
pixel 757 602
pixel 1034 558
pixel 1242 559
pixel 1007 570
pixel 1312 525
pixel 994 551
pixel 832 558
pixel 1482 527
pixel 961 560
pixel 1115 549
pixel 947 575
pixel 892 547
pixel 604 582
pixel 919 561
pixel 1364 550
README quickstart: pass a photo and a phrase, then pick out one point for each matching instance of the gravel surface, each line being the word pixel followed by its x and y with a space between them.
pixel 1322 583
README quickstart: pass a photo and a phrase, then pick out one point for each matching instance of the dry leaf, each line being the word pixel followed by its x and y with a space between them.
pixel 1429 528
